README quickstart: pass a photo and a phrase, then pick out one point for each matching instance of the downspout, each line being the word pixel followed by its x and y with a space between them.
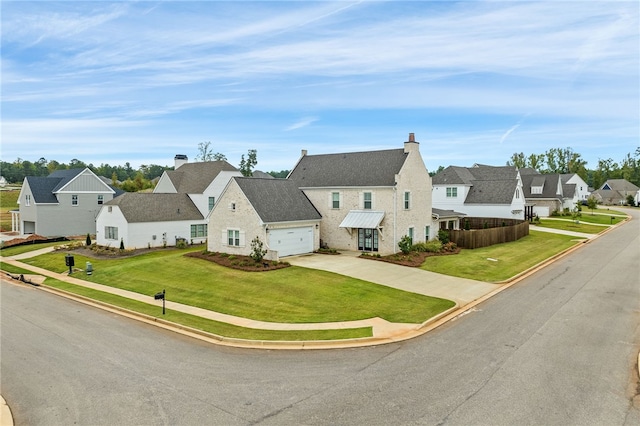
pixel 395 213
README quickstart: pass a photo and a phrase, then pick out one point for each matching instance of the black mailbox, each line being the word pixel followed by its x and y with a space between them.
pixel 159 296
pixel 69 261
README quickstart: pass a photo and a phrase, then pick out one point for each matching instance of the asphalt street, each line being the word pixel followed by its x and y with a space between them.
pixel 558 348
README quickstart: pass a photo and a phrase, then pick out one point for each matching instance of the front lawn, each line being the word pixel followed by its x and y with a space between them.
pixel 502 261
pixel 570 225
pixel 293 295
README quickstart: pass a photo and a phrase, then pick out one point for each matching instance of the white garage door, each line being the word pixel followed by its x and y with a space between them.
pixel 291 241
pixel 541 211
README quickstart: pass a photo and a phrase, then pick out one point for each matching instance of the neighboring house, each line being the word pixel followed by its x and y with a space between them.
pixel 616 191
pixel 144 220
pixel 190 186
pixel 203 181
pixel 368 200
pixel 581 190
pixel 546 193
pixel 3 182
pixel 480 191
pixel 62 204
pixel 274 210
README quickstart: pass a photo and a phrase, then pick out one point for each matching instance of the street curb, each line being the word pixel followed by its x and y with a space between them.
pixel 6 418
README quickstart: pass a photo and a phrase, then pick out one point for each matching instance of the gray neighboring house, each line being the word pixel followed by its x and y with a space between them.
pixel 547 193
pixel 616 191
pixel 64 203
pixel 274 210
pixel 144 220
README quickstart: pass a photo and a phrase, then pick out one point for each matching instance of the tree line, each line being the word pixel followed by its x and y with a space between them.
pixel 559 160
pixel 124 177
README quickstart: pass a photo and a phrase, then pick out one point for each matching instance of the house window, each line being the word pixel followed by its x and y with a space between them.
pixel 517 193
pixel 452 192
pixel 233 237
pixel 212 201
pixel 232 207
pixel 410 234
pixel 199 231
pixel 536 190
pixel 407 200
pixel 74 200
pixel 427 232
pixel 335 200
pixel 100 199
pixel 111 232
pixel 367 204
pixel 27 200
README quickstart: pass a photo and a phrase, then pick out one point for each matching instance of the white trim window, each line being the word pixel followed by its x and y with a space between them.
pixel 212 202
pixel 233 237
pixel 367 200
pixel 199 231
pixel 335 200
pixel 410 234
pixel 407 200
pixel 111 232
pixel 27 200
pixel 74 200
pixel 452 192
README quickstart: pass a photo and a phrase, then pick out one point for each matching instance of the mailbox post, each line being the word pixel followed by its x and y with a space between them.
pixel 159 296
pixel 70 262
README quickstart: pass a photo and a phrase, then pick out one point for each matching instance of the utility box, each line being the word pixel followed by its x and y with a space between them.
pixel 89 268
pixel 69 261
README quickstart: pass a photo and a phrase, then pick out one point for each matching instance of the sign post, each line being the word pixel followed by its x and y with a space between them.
pixel 159 296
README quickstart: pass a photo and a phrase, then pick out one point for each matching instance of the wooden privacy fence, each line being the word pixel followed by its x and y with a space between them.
pixel 497 231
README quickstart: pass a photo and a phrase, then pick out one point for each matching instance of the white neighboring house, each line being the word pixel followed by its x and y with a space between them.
pixel 274 210
pixel 203 181
pixel 142 220
pixel 480 191
pixel 64 203
pixel 177 208
pixel 581 191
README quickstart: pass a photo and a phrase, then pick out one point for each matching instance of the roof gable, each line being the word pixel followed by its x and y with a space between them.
pixel 140 207
pixel 277 200
pixel 360 169
pixel 195 178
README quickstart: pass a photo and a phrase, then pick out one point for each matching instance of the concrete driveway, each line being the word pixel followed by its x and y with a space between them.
pixel 415 280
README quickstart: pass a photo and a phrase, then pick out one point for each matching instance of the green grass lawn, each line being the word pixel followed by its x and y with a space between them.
pixel 8 202
pixel 598 218
pixel 294 294
pixel 570 225
pixel 12 251
pixel 210 326
pixel 512 258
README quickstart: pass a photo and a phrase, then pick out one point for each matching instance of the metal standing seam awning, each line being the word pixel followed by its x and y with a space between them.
pixel 368 219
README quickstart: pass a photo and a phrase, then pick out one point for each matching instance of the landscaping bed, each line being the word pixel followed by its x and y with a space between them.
pixel 414 259
pixel 243 263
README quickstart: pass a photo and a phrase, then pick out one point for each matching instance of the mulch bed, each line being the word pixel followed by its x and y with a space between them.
pixel 413 259
pixel 243 263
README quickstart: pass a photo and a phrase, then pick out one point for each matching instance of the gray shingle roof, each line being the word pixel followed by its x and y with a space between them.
pixel 44 188
pixel 549 183
pixel 492 192
pixel 194 178
pixel 620 185
pixel 277 200
pixel 371 168
pixel 149 207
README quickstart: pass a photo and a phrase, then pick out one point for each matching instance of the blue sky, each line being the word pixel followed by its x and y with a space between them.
pixel 475 81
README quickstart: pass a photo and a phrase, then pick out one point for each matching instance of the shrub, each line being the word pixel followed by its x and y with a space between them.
pixel 257 250
pixel 88 241
pixel 433 246
pixel 405 244
pixel 443 236
pixel 450 247
pixel 121 244
pixel 181 244
pixel 231 257
pixel 420 247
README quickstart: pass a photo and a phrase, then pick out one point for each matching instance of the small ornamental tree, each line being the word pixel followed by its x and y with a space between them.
pixel 405 244
pixel 576 214
pixel 631 201
pixel 121 244
pixel 592 203
pixel 88 241
pixel 257 250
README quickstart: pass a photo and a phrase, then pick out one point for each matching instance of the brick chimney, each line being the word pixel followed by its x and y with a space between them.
pixel 411 144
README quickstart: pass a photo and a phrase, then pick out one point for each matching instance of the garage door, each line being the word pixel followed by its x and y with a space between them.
pixel 291 241
pixel 541 211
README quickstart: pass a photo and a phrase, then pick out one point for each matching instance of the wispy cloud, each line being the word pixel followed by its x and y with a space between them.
pixel 303 122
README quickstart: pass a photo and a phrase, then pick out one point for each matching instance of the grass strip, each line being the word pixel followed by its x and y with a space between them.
pixel 569 225
pixel 210 326
pixel 501 261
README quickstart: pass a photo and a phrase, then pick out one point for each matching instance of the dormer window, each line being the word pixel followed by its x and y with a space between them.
pixel 368 202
